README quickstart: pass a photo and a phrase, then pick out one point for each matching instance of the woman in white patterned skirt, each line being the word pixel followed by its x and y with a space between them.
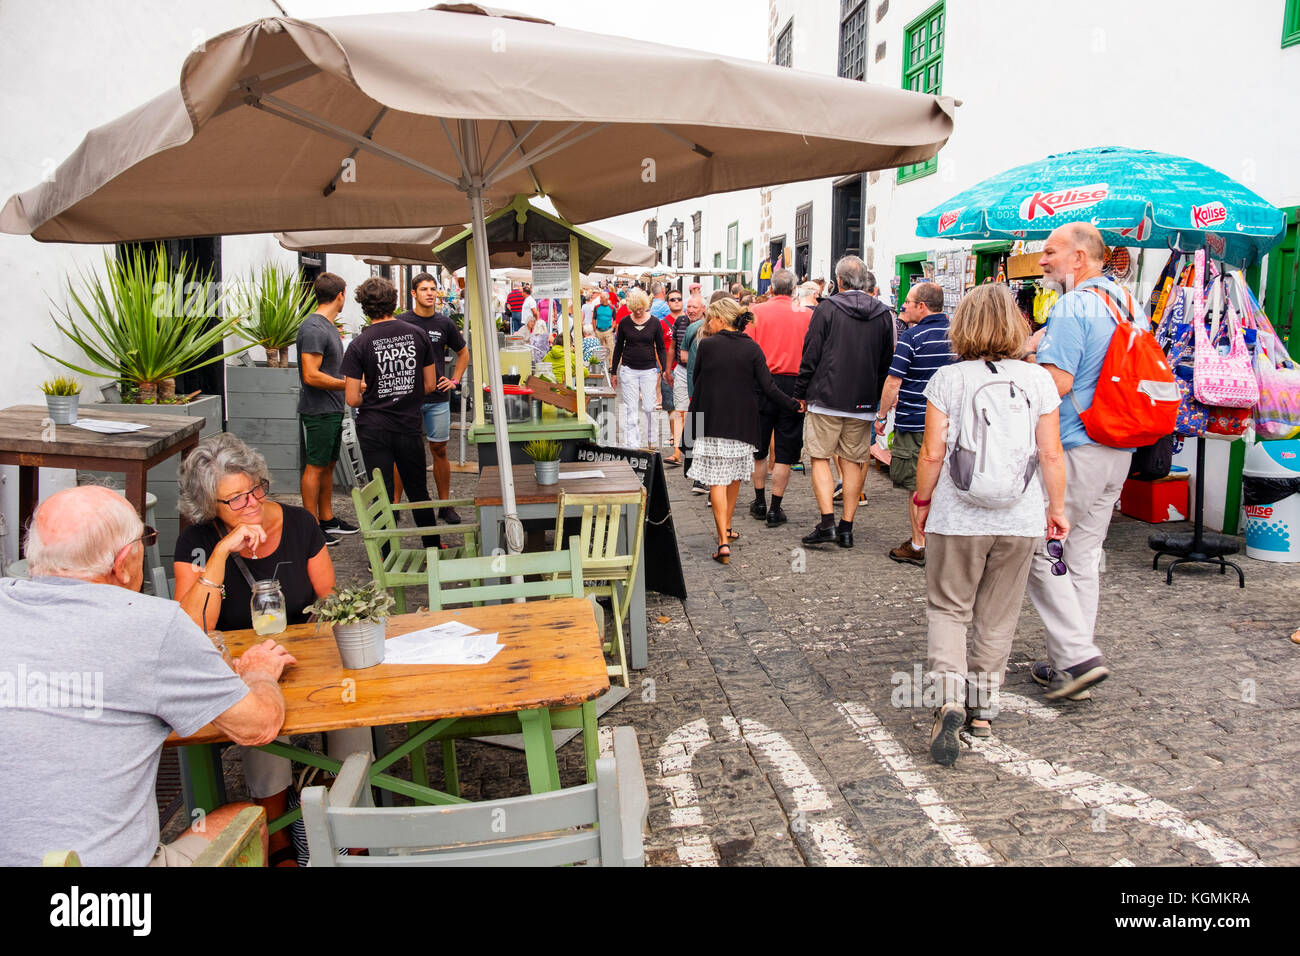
pixel 729 369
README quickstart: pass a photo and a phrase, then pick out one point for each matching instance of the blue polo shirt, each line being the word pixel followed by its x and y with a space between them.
pixel 659 308
pixel 922 350
pixel 1079 330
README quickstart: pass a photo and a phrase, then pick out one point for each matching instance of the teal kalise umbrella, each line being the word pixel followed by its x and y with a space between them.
pixel 1136 197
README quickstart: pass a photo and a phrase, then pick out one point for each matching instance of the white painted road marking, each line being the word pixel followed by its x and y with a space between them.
pixel 675 757
pixel 829 834
pixel 894 757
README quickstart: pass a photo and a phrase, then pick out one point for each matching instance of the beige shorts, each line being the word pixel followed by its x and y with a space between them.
pixel 825 436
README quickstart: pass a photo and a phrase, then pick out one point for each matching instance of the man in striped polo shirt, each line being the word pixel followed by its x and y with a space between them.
pixel 922 350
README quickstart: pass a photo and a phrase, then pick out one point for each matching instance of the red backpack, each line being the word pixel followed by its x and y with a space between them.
pixel 1136 400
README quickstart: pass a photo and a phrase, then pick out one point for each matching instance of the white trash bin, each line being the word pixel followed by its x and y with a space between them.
pixel 1270 482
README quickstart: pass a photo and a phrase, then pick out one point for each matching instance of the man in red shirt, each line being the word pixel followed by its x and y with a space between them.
pixel 515 308
pixel 779 328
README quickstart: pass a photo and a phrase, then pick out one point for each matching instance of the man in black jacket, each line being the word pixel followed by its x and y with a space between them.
pixel 846 357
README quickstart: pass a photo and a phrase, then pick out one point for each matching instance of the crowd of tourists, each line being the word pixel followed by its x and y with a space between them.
pixel 986 435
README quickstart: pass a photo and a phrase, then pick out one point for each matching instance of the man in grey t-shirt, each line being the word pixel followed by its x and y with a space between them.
pixel 320 404
pixel 94 678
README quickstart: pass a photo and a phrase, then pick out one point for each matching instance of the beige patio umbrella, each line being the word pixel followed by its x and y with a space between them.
pixel 413 246
pixel 422 118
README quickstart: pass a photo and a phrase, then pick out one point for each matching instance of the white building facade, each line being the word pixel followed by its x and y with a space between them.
pixel 1176 76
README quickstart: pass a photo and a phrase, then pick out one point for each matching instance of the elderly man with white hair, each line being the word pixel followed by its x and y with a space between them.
pixel 1078 334
pixel 95 677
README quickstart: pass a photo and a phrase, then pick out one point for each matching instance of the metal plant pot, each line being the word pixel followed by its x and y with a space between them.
pixel 63 408
pixel 361 645
pixel 547 472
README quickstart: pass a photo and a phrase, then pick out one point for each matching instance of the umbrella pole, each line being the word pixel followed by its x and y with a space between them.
pixel 483 275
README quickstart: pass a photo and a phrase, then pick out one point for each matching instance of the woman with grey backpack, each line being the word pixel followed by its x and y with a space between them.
pixel 992 446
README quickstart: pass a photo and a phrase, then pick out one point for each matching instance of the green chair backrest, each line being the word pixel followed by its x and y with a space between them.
pixel 598 539
pixel 547 564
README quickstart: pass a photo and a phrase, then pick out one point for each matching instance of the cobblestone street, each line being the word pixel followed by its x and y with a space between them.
pixel 769 736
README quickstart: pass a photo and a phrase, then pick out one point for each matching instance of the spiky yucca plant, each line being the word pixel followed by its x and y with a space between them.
pixel 273 305
pixel 61 386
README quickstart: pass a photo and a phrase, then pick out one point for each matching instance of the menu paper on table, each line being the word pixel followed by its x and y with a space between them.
pixel 106 427
pixel 576 475
pixel 451 643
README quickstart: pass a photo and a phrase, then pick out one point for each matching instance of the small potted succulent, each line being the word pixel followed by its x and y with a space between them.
pixel 545 454
pixel 358 614
pixel 61 398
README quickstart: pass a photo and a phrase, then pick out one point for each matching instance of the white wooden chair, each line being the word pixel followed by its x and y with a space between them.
pixel 599 822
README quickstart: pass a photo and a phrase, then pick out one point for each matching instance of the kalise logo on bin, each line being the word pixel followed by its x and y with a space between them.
pixel 948 218
pixel 1211 214
pixel 1049 204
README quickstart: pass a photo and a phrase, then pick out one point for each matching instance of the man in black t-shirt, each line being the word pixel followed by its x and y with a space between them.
pixel 443 334
pixel 388 369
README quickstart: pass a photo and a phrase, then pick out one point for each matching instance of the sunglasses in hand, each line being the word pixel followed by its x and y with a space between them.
pixel 1056 551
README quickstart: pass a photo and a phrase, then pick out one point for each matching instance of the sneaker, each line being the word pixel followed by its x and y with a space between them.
pixel 944 745
pixel 331 540
pixel 699 488
pixel 820 535
pixel 776 517
pixel 449 516
pixel 862 498
pixel 906 554
pixel 838 494
pixel 337 525
pixel 1072 683
pixel 758 509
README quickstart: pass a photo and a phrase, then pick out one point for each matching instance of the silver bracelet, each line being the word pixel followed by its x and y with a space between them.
pixel 219 587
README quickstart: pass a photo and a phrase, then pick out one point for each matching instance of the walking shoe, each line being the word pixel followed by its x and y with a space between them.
pixel 820 535
pixel 838 494
pixel 1072 683
pixel 844 538
pixel 758 509
pixel 906 554
pixel 332 540
pixel 776 517
pixel 699 488
pixel 862 498
pixel 944 745
pixel 338 526
pixel 449 516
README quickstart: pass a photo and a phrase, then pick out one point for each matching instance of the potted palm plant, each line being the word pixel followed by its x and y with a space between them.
pixel 145 321
pixel 545 453
pixel 358 614
pixel 273 305
pixel 61 397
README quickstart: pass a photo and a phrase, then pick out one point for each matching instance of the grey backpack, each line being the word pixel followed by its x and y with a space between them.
pixel 992 448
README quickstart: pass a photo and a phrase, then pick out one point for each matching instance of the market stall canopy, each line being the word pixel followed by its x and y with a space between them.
pixel 511 231
pixel 1135 197
pixel 412 246
pixel 411 96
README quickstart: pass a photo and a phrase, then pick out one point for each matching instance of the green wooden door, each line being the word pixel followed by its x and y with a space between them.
pixel 1282 288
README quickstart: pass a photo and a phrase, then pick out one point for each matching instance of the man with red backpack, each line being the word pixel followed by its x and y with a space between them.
pixel 1080 329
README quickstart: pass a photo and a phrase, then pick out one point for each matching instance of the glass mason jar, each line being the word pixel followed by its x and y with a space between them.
pixel 268 610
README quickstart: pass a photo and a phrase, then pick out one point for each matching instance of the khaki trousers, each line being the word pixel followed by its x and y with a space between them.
pixel 973 580
pixel 1067 603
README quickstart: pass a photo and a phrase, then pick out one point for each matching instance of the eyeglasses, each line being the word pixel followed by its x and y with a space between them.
pixel 148 539
pixel 1056 551
pixel 242 501
pixel 674 298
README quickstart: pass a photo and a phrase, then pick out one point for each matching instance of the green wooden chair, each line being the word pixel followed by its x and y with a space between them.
pixel 607 573
pixel 403 567
pixel 601 822
pixel 460 581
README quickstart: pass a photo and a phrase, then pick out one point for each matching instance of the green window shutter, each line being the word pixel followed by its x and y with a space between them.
pixel 1291 23
pixel 923 72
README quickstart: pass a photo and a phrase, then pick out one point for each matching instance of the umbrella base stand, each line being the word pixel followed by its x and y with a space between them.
pixel 1198 546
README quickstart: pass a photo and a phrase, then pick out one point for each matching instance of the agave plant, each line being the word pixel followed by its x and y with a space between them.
pixel 146 320
pixel 273 305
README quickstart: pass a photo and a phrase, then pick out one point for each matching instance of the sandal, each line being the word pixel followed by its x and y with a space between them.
pixel 979 727
pixel 732 535
pixel 722 555
pixel 674 461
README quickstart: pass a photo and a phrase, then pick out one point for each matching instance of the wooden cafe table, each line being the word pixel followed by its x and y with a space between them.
pixel 539 501
pixel 546 677
pixel 28 443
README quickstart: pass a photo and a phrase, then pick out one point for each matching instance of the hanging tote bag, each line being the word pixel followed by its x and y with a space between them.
pixel 1175 336
pixel 1277 414
pixel 1226 380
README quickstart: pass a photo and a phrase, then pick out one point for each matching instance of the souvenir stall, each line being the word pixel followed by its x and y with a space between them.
pixel 1144 199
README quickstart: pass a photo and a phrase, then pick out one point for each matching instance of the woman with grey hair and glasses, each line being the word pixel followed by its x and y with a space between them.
pixel 237 536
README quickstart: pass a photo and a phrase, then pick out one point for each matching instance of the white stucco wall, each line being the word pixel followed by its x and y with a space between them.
pixel 70 68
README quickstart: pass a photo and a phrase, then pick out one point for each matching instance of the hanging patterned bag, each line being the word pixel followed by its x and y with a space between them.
pixel 1224 380
pixel 1277 414
pixel 1175 336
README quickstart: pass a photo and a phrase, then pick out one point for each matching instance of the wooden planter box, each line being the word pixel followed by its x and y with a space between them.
pixel 161 481
pixel 262 409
